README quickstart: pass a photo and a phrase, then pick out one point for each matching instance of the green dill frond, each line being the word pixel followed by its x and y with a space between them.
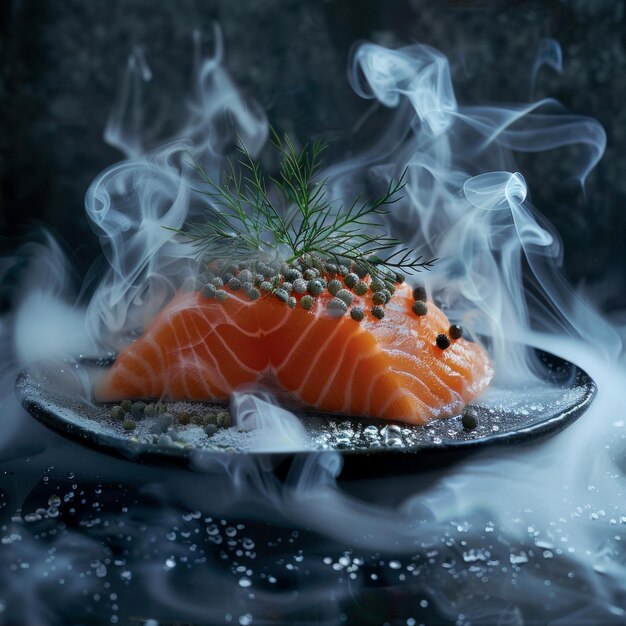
pixel 290 216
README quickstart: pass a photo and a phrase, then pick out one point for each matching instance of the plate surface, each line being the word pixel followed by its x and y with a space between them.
pixel 58 394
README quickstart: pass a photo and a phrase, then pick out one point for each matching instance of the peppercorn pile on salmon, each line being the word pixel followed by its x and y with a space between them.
pixel 345 354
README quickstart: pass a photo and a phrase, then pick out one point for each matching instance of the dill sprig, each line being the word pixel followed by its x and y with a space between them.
pixel 292 217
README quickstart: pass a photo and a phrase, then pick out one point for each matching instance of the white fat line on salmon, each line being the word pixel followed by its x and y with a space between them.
pixel 401 393
pixel 203 346
pixel 348 394
pixel 216 335
pixel 427 370
pixel 339 363
pixel 426 398
pixel 320 354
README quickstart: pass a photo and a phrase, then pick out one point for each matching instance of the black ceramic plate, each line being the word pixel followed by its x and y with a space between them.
pixel 59 395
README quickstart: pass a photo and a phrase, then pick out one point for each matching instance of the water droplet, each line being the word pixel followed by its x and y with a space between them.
pixel 473 555
pixel 519 559
pixel 245 582
pixel 395 564
pixel 54 500
pixel 245 620
pixel 371 432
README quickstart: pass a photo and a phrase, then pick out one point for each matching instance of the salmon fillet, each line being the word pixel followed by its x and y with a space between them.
pixel 198 348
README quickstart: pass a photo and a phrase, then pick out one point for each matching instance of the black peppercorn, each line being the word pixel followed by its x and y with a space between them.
pixel 419 293
pixel 456 331
pixel 443 341
pixel 469 419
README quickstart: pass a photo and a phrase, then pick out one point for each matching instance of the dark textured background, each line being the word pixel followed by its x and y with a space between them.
pixel 63 60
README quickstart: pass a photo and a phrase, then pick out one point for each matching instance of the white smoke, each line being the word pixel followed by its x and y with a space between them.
pixel 508 536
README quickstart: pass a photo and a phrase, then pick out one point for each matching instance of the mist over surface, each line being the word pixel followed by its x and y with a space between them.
pixel 526 535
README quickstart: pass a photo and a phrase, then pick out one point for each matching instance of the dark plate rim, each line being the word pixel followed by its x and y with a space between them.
pixel 162 455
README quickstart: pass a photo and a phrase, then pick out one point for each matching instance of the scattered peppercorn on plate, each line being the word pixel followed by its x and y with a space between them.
pixel 195 434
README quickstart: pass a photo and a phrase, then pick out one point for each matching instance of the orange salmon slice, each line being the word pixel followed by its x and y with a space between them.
pixel 200 349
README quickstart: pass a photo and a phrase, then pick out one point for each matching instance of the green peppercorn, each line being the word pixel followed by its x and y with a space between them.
pixel 337 307
pixel 196 419
pixel 334 286
pixel 253 293
pixel 379 298
pixel 306 302
pixel 126 405
pixel 287 286
pixel 210 430
pixel 282 295
pixel 343 270
pixel 165 421
pixel 160 408
pixel 420 308
pixel 310 274
pixel 221 295
pixel 138 410
pixel 245 276
pixel 292 275
pixel 117 413
pixel 443 341
pixel 378 312
pixel 150 410
pixel 315 287
pixel 346 296
pixel 258 279
pixel 184 418
pixel 217 282
pixel 356 313
pixel 210 419
pixel 360 288
pixel 234 284
pixel 331 269
pixel 222 419
pixel 227 277
pixel 376 285
pixel 419 293
pixel 300 285
pixel 291 302
pixel 351 280
pixel 208 291
pixel 129 424
pixel 399 277
pixel 266 286
pixel 456 331
pixel 469 418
